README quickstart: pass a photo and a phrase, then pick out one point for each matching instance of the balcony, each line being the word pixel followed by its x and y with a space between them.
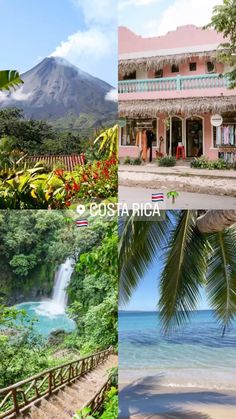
pixel 177 84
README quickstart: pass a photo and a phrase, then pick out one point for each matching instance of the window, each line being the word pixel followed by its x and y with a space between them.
pixel 158 74
pixel 210 67
pixel 130 76
pixel 192 66
pixel 129 129
pixel 175 68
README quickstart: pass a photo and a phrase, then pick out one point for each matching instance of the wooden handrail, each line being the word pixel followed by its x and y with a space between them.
pixel 17 397
pixel 97 399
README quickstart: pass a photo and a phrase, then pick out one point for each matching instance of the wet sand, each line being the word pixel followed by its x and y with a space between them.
pixel 146 397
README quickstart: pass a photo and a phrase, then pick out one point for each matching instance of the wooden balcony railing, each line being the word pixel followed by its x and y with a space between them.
pixel 202 81
pixel 20 396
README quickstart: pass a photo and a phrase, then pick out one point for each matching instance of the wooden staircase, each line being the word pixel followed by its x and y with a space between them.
pixel 87 389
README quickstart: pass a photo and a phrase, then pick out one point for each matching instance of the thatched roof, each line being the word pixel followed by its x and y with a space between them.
pixel 127 66
pixel 188 107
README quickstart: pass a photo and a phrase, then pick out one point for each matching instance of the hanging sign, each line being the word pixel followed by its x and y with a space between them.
pixel 216 120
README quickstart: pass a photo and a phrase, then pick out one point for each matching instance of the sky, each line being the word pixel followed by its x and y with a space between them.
pixel 157 17
pixel 83 32
pixel 146 296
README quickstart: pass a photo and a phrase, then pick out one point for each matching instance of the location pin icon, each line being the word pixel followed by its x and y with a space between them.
pixel 80 209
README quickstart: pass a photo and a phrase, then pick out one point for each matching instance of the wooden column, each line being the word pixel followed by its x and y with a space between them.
pixel 170 149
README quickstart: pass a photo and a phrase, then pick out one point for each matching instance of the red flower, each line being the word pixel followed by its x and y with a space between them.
pixel 68 187
pixel 68 203
pixel 59 172
pixel 85 178
pixel 76 186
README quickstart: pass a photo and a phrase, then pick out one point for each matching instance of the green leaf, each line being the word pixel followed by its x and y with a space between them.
pixel 9 79
pixel 221 277
pixel 185 263
pixel 138 246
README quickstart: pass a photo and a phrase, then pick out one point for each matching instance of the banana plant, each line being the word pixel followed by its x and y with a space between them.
pixel 9 79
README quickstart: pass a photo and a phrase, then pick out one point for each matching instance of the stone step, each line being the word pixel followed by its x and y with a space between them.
pixel 64 405
pixel 52 410
pixel 37 413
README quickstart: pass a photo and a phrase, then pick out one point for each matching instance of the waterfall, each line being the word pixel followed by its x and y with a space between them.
pixel 57 304
pixel 61 282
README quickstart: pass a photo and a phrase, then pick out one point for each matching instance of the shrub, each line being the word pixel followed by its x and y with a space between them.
pixel 33 188
pixel 136 162
pixel 127 160
pixel 166 161
pixel 200 163
pixel 111 405
pixel 204 163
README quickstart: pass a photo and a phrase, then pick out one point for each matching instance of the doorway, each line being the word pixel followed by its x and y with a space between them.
pixel 174 135
pixel 194 137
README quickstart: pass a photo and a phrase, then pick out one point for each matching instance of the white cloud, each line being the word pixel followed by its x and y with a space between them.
pixel 17 95
pixel 124 3
pixel 182 12
pixel 112 95
pixel 94 48
pixel 20 95
pixel 82 44
pixel 98 11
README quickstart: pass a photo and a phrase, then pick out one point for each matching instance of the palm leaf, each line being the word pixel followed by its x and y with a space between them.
pixel 108 140
pixel 9 79
pixel 138 245
pixel 221 277
pixel 185 263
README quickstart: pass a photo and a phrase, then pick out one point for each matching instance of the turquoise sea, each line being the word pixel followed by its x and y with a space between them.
pixel 195 356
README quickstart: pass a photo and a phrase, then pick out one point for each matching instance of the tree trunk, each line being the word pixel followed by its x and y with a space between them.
pixel 216 220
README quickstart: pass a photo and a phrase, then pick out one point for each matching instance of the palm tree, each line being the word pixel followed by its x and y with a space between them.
pixel 9 79
pixel 197 249
pixel 173 195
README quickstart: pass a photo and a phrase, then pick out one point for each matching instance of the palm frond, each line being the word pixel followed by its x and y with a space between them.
pixel 221 276
pixel 138 246
pixel 9 79
pixel 108 140
pixel 185 263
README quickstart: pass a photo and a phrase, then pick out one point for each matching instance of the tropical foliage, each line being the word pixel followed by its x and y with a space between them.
pixel 24 185
pixel 189 260
pixel 93 291
pixel 205 163
pixel 108 141
pixel 224 20
pixel 33 244
pixel 37 137
pixel 9 79
pixel 35 188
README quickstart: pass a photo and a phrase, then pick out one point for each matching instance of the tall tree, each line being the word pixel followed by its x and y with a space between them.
pixel 224 20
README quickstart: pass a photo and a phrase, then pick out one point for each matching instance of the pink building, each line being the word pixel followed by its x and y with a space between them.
pixel 173 85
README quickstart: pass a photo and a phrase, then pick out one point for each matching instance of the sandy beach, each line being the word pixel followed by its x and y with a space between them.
pixel 146 397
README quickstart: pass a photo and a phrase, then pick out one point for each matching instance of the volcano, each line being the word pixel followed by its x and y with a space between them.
pixel 57 91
